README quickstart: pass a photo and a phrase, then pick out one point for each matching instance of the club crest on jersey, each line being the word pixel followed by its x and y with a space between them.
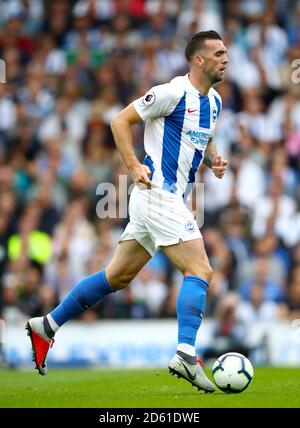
pixel 214 114
pixel 149 98
pixel 190 226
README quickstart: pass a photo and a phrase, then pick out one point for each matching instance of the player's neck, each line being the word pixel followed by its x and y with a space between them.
pixel 202 86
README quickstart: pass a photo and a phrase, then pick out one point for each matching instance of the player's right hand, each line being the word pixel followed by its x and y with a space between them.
pixel 140 174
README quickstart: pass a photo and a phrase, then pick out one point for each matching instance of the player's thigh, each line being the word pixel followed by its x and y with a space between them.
pixel 129 258
pixel 190 258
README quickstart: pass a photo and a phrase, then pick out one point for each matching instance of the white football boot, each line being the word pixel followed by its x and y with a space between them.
pixel 189 368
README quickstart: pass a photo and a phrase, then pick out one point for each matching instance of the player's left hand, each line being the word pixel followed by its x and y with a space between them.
pixel 219 166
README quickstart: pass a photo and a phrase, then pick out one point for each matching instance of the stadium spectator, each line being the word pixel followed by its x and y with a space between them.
pixel 230 333
pixel 271 289
pixel 29 241
pixel 258 308
pixel 151 291
pixel 293 295
pixel 272 210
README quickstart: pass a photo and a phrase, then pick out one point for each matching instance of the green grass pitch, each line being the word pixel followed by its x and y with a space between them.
pixel 271 387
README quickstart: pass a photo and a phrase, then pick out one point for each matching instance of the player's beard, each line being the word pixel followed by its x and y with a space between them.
pixel 214 76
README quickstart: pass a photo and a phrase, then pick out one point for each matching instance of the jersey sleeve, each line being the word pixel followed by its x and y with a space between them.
pixel 157 102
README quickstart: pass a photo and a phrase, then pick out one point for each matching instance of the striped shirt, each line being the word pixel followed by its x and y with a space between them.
pixel 179 123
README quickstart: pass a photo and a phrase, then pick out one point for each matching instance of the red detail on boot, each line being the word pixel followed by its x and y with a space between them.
pixel 199 361
pixel 41 347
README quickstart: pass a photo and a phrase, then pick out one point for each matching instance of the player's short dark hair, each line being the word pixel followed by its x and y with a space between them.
pixel 196 42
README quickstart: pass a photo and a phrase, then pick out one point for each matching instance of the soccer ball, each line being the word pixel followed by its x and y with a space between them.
pixel 232 373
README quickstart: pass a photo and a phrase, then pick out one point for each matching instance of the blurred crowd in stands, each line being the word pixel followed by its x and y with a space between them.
pixel 70 67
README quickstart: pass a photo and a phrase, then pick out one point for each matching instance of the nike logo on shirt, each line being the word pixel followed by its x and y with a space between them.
pixel 190 110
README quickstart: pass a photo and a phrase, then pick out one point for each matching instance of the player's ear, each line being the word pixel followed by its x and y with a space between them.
pixel 198 60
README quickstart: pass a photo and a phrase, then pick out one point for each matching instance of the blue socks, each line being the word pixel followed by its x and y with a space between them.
pixel 85 294
pixel 190 307
pixel 190 303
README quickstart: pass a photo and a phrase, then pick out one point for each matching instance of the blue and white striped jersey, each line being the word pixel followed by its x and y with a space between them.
pixel 179 123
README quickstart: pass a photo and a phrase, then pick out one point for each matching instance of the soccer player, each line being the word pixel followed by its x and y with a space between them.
pixel 180 121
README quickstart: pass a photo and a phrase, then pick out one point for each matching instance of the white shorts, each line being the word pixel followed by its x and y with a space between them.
pixel 159 218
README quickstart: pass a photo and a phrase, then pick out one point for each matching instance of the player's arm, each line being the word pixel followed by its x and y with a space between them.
pixel 210 153
pixel 121 129
pixel 215 162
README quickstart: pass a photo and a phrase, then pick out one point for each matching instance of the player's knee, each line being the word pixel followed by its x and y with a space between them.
pixel 204 272
pixel 119 281
pixel 208 273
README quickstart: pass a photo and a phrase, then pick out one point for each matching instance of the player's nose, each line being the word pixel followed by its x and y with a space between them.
pixel 225 60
